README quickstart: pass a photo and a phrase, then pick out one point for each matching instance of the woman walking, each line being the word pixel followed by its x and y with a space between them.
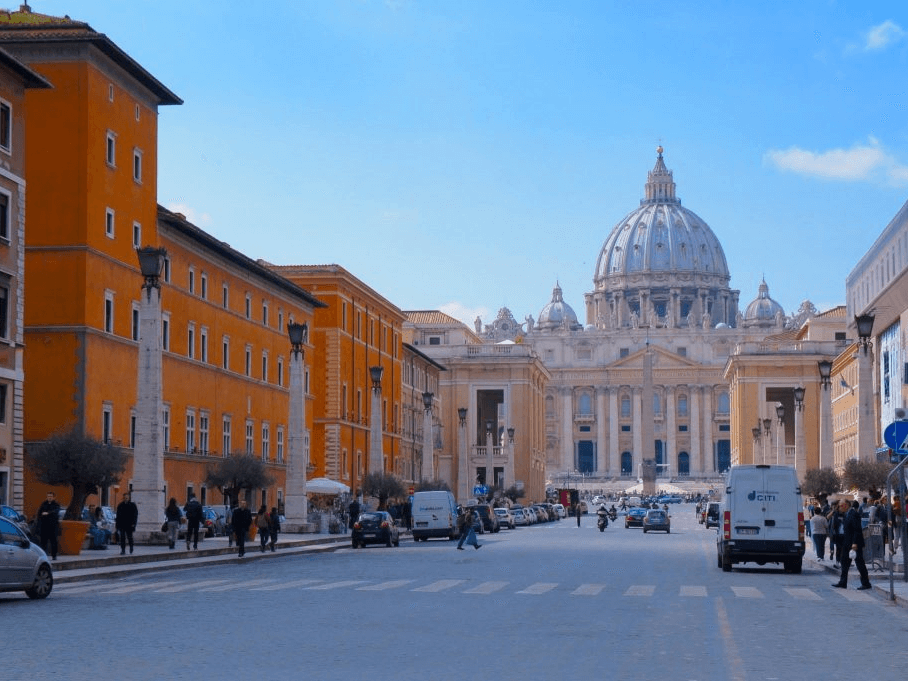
pixel 818 525
pixel 173 515
pixel 275 527
pixel 263 525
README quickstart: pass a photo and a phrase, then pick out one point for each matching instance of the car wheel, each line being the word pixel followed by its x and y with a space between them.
pixel 644 530
pixel 726 564
pixel 388 542
pixel 44 582
pixel 668 531
pixel 397 542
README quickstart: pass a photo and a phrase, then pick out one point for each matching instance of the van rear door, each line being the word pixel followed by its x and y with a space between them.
pixel 748 513
pixel 781 503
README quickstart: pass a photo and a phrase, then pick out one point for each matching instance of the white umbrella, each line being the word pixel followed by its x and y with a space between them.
pixel 325 486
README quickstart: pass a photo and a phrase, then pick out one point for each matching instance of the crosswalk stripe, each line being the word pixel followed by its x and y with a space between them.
pixel 640 590
pixel 139 587
pixel 804 594
pixel 238 585
pixel 287 585
pixel 588 590
pixel 383 586
pixel 747 592
pixel 538 588
pixel 487 588
pixel 696 591
pixel 186 587
pixel 335 585
pixel 855 596
pixel 79 588
pixel 440 585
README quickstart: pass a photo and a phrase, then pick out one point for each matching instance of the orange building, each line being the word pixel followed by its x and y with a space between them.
pixel 15 79
pixel 91 153
pixel 358 329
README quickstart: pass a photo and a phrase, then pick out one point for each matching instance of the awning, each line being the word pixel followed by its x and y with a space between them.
pixel 325 486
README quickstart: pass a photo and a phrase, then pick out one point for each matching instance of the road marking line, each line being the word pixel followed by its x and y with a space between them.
pixel 238 585
pixel 856 596
pixel 538 588
pixel 746 592
pixel 335 585
pixel 699 591
pixel 588 590
pixel 393 584
pixel 487 588
pixel 186 587
pixel 138 587
pixel 287 585
pixel 440 585
pixel 83 588
pixel 640 590
pixel 735 664
pixel 804 594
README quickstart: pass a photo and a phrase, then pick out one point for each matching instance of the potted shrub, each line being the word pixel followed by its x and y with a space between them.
pixel 83 463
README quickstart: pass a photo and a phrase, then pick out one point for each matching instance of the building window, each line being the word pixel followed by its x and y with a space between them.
pixel 203 345
pixel 135 322
pixel 165 422
pixel 165 331
pixel 225 296
pixel 137 165
pixel 203 433
pixel 264 314
pixel 265 366
pixel 280 319
pixel 682 405
pixel 203 286
pixel 6 126
pixel 682 352
pixel 248 306
pixel 106 423
pixel 3 393
pixel 682 429
pixel 250 435
pixel 280 444
pixel 192 280
pixel 132 430
pixel 434 340
pixel 225 436
pixel 109 223
pixel 723 404
pixel 167 269
pixel 110 92
pixel 266 441
pixel 190 431
pixel 625 406
pixel 248 362
pixel 136 235
pixel 111 152
pixel 4 216
pixel 108 313
pixel 190 341
pixel 623 352
pixel 225 353
pixel 280 371
pixel 138 112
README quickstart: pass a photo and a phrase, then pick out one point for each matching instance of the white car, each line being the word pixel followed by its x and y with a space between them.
pixel 560 510
pixel 505 519
pixel 520 517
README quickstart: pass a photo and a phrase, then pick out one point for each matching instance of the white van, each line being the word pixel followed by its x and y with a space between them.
pixel 761 518
pixel 434 515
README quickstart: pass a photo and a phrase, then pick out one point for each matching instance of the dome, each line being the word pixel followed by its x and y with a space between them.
pixel 762 309
pixel 557 314
pixel 661 266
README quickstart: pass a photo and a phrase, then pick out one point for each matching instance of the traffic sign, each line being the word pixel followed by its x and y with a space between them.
pixel 479 489
pixel 896 436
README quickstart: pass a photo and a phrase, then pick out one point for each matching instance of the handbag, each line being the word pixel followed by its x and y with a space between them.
pixel 164 526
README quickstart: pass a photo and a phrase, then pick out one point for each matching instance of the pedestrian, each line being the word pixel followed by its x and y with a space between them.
pixel 49 524
pixel 895 518
pixel 818 525
pixel 242 521
pixel 263 525
pixel 173 514
pixel 100 535
pixel 353 510
pixel 853 543
pixel 577 512
pixel 194 515
pixel 127 517
pixel 808 507
pixel 275 527
pixel 836 532
pixel 467 518
pixel 408 514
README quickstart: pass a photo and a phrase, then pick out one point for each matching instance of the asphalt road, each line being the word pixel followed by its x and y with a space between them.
pixel 542 602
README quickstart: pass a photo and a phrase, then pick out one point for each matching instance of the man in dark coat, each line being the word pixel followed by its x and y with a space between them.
pixel 49 524
pixel 127 517
pixel 193 511
pixel 853 540
pixel 242 520
pixel 353 510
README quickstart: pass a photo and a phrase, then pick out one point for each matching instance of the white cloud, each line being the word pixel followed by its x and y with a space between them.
pixel 198 219
pixel 882 36
pixel 861 163
pixel 466 314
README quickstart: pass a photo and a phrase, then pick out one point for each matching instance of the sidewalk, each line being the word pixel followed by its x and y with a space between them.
pixel 91 564
pixel 879 577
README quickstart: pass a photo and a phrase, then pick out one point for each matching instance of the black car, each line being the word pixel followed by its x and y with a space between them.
pixel 375 527
pixel 488 520
pixel 711 519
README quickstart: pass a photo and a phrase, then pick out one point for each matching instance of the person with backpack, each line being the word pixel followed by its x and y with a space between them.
pixel 194 513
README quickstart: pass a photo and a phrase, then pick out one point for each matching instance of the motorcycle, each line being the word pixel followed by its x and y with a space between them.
pixel 613 515
pixel 603 522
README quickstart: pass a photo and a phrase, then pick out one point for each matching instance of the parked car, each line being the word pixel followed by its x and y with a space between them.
pixel 18 519
pixel 505 518
pixel 214 522
pixel 656 520
pixel 520 518
pixel 23 565
pixel 488 519
pixel 711 516
pixel 634 517
pixel 560 510
pixel 375 527
pixel 542 516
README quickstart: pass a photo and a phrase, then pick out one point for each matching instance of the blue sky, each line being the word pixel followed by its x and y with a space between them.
pixel 466 155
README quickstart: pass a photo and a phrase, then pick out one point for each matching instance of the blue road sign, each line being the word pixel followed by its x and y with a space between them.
pixel 896 436
pixel 479 489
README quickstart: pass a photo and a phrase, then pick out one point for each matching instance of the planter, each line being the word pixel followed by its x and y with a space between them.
pixel 72 534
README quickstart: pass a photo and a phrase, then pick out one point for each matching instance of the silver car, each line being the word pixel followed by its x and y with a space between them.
pixel 23 566
pixel 505 518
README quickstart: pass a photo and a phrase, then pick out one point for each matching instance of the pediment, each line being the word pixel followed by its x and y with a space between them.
pixel 662 359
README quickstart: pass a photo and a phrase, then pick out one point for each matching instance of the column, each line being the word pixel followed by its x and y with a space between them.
pixel 638 426
pixel 800 442
pixel 376 458
pixel 428 456
pixel 567 430
pixel 696 465
pixel 707 446
pixel 827 458
pixel 603 463
pixel 296 506
pixel 671 435
pixel 866 427
pixel 613 430
pixel 464 486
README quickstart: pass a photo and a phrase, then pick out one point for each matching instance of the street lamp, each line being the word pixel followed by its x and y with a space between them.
pixel 428 458
pixel 296 501
pixel 376 373
pixel 490 460
pixel 864 323
pixel 376 456
pixel 462 415
pixel 826 452
pixel 511 435
pixel 299 335
pixel 767 425
pixel 866 430
pixel 151 263
pixel 799 398
pixel 825 368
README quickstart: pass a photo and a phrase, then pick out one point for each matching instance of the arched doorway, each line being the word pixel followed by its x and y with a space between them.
pixel 627 463
pixel 683 464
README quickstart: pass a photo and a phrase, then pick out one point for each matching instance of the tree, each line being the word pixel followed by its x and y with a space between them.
pixel 866 475
pixel 514 493
pixel 384 486
pixel 821 482
pixel 239 471
pixel 431 485
pixel 84 463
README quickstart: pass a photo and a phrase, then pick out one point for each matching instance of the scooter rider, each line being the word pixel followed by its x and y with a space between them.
pixel 603 515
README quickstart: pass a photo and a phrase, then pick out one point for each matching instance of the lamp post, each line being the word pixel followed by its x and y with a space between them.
pixel 296 503
pixel 463 479
pixel 827 458
pixel 148 451
pixel 866 429
pixel 800 444
pixel 780 441
pixel 508 477
pixel 767 425
pixel 490 462
pixel 756 430
pixel 376 458
pixel 428 460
